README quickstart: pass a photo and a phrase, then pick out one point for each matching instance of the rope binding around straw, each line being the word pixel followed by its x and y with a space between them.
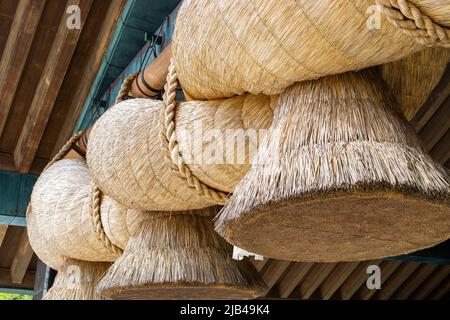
pixel 126 87
pixel 97 224
pixel 170 143
pixel 412 21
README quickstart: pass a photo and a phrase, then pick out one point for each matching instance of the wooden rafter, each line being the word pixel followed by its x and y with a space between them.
pixel 3 230
pixel 341 273
pixel 387 269
pixel 15 54
pixel 292 278
pixel 22 259
pixel 48 88
pixel 315 277
pixel 273 272
pixel 356 280
pixel 75 108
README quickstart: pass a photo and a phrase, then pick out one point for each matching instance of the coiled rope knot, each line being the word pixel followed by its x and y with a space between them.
pixel 412 21
pixel 170 143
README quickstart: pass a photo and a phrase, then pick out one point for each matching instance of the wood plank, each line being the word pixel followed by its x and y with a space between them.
pixel 337 278
pixel 259 264
pixel 356 279
pixel 3 230
pixel 418 277
pixel 434 280
pixel 15 54
pixel 7 163
pixel 387 269
pixel 437 126
pixel 293 277
pixel 273 272
pixel 396 280
pixel 22 259
pixel 441 291
pixel 27 283
pixel 318 273
pixel 441 151
pixel 47 91
pixel 75 108
pixel 434 101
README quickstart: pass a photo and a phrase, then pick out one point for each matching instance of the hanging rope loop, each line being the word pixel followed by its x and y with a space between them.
pixel 170 143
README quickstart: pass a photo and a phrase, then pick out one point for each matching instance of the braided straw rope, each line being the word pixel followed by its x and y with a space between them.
pixel 126 87
pixel 97 222
pixel 65 149
pixel 97 193
pixel 412 21
pixel 170 143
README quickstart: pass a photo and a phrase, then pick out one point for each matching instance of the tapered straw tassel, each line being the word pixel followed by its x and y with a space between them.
pixel 413 79
pixel 179 256
pixel 341 176
pixel 76 280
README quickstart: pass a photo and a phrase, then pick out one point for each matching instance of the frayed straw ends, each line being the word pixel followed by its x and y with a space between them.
pixel 77 280
pixel 179 256
pixel 340 177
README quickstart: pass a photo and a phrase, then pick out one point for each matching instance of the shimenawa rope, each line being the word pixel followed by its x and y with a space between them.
pixel 412 21
pixel 126 86
pixel 170 143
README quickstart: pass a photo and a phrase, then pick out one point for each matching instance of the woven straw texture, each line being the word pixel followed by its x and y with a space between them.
pixel 128 163
pixel 340 176
pixel 179 256
pixel 76 280
pixel 60 223
pixel 226 48
pixel 413 79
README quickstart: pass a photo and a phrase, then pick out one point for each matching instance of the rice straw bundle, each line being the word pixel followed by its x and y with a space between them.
pixel 413 79
pixel 129 164
pixel 76 280
pixel 179 256
pixel 340 176
pixel 60 220
pixel 227 48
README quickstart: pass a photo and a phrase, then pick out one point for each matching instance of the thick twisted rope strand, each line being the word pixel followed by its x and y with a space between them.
pixel 97 222
pixel 126 87
pixel 412 21
pixel 170 143
pixel 65 149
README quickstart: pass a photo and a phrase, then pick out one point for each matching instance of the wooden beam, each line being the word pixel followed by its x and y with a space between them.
pixel 314 279
pixel 437 126
pixel 356 279
pixel 3 230
pixel 441 151
pixel 273 272
pixel 434 101
pixel 396 280
pixel 259 264
pixel 7 163
pixel 47 91
pixel 15 54
pixel 75 108
pixel 22 259
pixel 419 276
pixel 441 291
pixel 341 273
pixel 387 269
pixel 293 277
pixel 27 283
pixel 433 281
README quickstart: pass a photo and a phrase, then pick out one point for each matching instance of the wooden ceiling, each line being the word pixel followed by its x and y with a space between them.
pixel 46 72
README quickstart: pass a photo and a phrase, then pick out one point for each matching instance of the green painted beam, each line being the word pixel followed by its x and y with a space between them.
pixel 15 193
